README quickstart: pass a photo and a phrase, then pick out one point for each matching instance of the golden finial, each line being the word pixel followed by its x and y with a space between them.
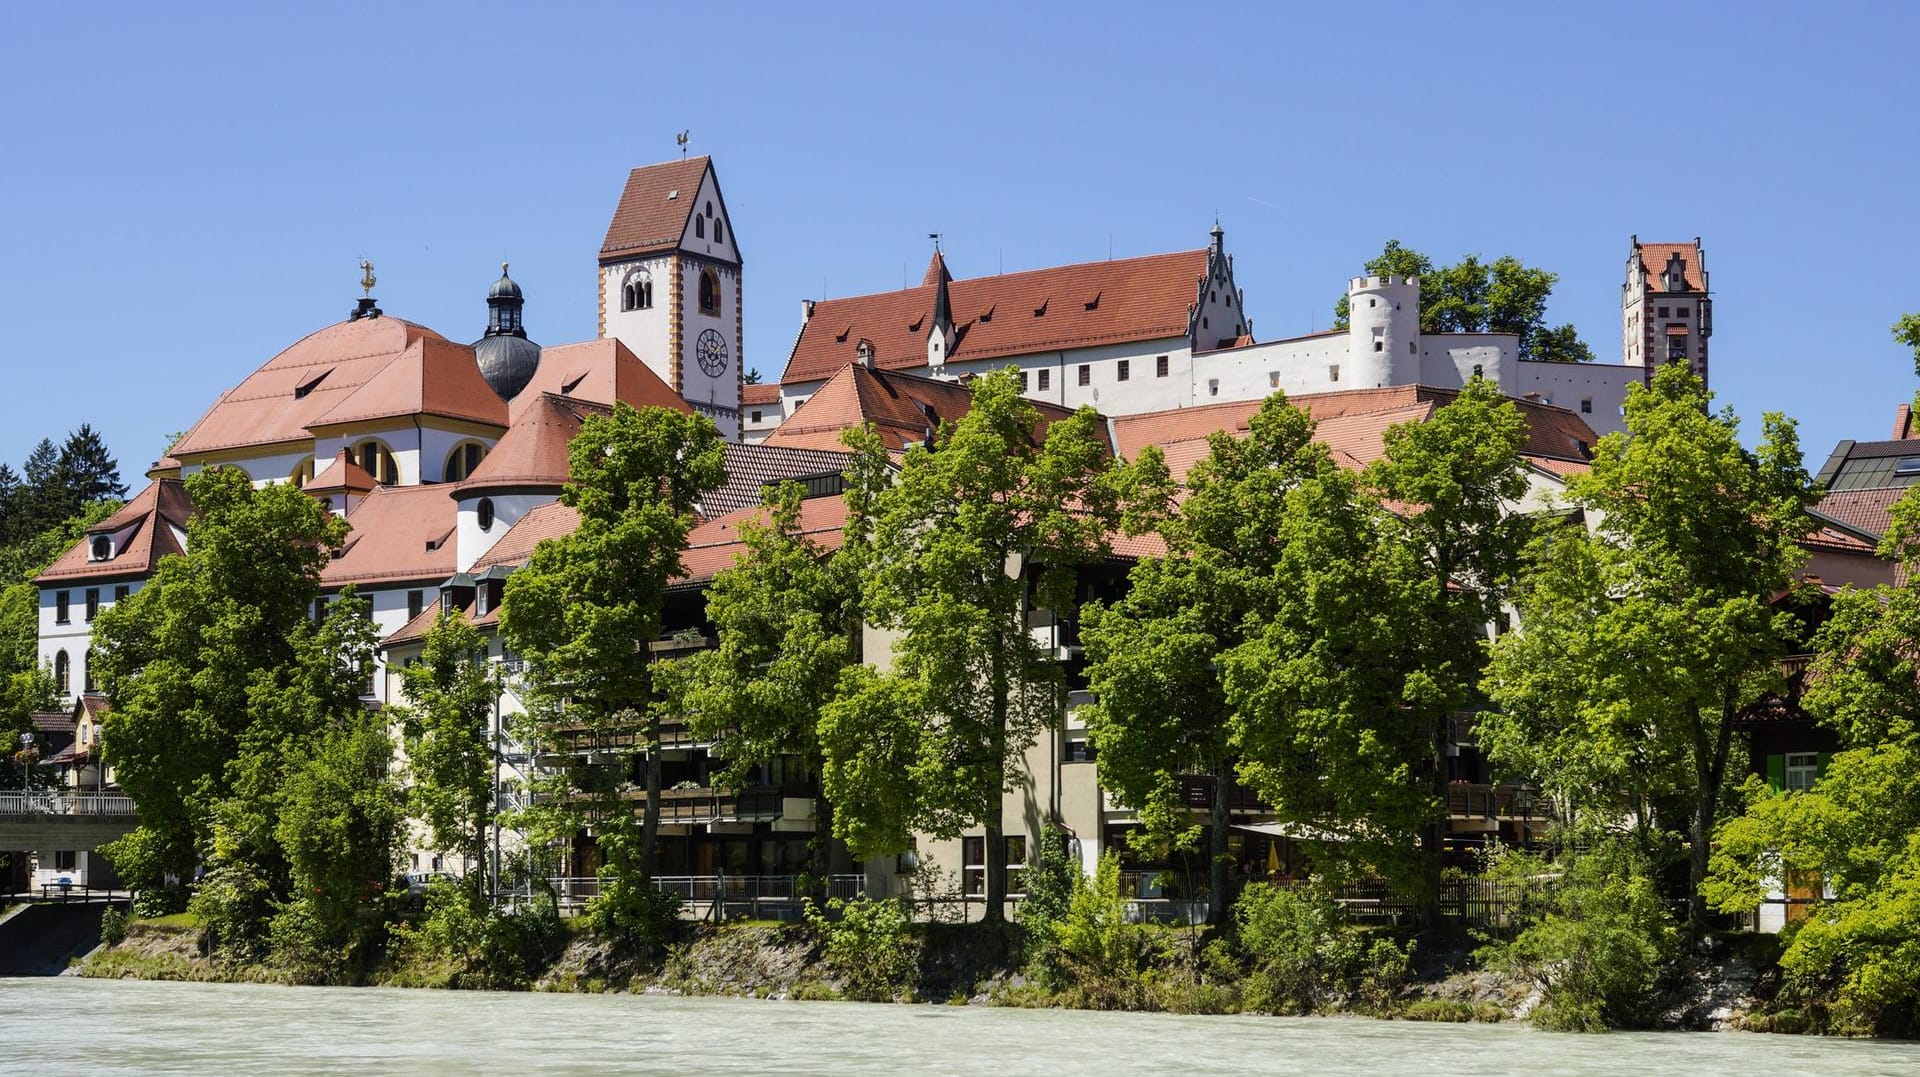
pixel 367 279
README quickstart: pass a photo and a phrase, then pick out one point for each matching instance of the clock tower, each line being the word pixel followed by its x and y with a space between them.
pixel 670 285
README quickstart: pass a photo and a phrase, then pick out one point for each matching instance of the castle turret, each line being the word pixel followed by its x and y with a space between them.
pixel 1383 330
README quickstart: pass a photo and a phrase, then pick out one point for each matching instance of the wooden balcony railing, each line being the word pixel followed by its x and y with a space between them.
pixel 1495 802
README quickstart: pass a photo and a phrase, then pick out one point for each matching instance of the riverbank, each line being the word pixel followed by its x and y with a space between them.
pixel 974 965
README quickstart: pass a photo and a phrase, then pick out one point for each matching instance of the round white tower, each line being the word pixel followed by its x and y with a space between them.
pixel 1383 331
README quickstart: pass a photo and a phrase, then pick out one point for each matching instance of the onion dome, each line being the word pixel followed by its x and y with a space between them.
pixel 507 358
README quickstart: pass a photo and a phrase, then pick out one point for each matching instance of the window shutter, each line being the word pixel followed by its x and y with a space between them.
pixel 1777 773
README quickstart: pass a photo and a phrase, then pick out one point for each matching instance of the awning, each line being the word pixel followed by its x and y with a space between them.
pixel 1296 831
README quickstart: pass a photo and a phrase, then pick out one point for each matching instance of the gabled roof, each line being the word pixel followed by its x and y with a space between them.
pixel 1654 257
pixel 415 629
pixel 764 393
pixel 653 209
pixel 1870 511
pixel 1010 315
pixel 903 408
pixel 599 371
pixel 715 545
pixel 277 402
pixel 750 468
pixel 431 377
pixel 157 513
pixel 400 534
pixel 533 452
pixel 541 522
pixel 341 474
pixel 1352 424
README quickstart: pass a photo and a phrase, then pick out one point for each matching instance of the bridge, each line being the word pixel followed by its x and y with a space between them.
pixel 64 819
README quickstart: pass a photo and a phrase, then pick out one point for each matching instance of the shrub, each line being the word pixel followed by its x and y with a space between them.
pixel 234 905
pixel 113 926
pixel 1600 950
pixel 638 915
pixel 1097 950
pixel 458 944
pixel 1050 885
pixel 1303 952
pixel 868 943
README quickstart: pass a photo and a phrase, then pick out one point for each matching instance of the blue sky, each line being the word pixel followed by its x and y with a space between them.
pixel 189 189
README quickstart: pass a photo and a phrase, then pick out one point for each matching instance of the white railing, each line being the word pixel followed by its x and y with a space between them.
pixel 61 803
pixel 746 891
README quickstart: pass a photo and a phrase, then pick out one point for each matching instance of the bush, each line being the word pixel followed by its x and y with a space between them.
pixel 868 943
pixel 638 915
pixel 113 926
pixel 1602 947
pixel 457 944
pixel 1303 952
pixel 1050 885
pixel 234 905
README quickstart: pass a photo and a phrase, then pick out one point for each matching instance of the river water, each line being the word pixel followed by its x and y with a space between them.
pixel 68 1025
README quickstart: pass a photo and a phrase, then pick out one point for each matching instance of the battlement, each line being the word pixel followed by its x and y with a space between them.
pixel 1368 284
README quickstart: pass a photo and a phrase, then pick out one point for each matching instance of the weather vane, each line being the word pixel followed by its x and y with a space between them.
pixel 681 138
pixel 935 236
pixel 367 279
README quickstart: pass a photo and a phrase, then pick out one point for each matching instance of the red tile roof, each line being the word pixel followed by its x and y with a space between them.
pixel 653 209
pixel 533 452
pixel 766 393
pixel 277 402
pixel 400 533
pixel 715 545
pixel 600 372
pixel 543 522
pixel 416 628
pixel 1010 315
pixel 751 468
pixel 341 474
pixel 157 513
pixel 1868 510
pixel 904 409
pixel 1653 259
pixel 432 377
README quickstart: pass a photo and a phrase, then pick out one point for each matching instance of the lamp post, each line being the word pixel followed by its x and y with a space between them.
pixel 27 758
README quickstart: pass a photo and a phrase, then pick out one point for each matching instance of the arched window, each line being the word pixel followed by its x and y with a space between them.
pixel 484 511
pixel 86 671
pixel 302 474
pixel 700 227
pixel 463 459
pixel 636 293
pixel 709 292
pixel 62 673
pixel 102 547
pixel 719 230
pixel 375 459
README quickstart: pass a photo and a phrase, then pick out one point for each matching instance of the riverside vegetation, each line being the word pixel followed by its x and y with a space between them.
pixel 1314 629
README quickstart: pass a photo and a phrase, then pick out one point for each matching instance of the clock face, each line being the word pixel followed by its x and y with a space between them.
pixel 711 350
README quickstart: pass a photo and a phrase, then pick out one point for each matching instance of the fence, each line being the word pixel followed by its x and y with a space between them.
pixel 758 897
pixel 62 803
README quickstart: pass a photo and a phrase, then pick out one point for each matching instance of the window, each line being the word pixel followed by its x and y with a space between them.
pixel 1586 406
pixel 1213 386
pixel 1160 366
pixel 1676 348
pixel 709 292
pixel 66 860
pixel 1078 751
pixel 1802 769
pixel 93 603
pixel 1477 372
pixel 1907 465
pixel 973 854
pixel 1273 379
pixel 756 414
pixel 1379 345
pixel 86 671
pixel 61 613
pixel 62 673
pixel 377 461
pixel 1662 312
pixel 463 459
pixel 700 227
pixel 1023 381
pixel 1682 312
pixel 1046 376
pixel 1333 371
pixel 120 591
pixel 483 512
pixel 416 601
pixel 1086 374
pixel 719 230
pixel 636 293
pixel 302 474
pixel 102 548
pixel 1124 368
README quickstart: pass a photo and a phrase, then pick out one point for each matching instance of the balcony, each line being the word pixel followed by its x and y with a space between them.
pixel 1196 792
pixel 760 897
pixel 1467 800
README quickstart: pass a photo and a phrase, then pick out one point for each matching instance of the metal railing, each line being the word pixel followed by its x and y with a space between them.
pixel 1496 802
pixel 756 896
pixel 64 803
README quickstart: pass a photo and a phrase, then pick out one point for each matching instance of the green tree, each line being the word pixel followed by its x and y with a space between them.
pixel 788 619
pixel 588 605
pixel 1907 331
pixel 1644 639
pixel 1155 658
pixel 452 696
pixel 1858 829
pixel 179 659
pixel 1471 296
pixel 21 693
pixel 977 534
pixel 87 470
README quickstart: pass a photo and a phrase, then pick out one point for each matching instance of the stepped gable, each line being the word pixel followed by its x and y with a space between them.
pixel 904 409
pixel 147 528
pixel 341 475
pixel 400 533
pixel 653 209
pixel 277 402
pixel 599 372
pixel 1654 258
pixel 1013 314
pixel 431 377
pixel 751 468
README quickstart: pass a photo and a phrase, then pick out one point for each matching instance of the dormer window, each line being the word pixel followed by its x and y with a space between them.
pixel 636 292
pixel 709 291
pixel 102 548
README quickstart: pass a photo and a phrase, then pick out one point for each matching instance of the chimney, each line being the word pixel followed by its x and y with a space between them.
pixel 1903 422
pixel 806 311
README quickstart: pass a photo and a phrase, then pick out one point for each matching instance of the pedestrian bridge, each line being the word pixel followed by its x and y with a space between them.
pixel 64 819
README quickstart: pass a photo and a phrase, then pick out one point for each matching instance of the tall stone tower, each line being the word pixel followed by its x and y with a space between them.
pixel 670 285
pixel 1666 311
pixel 1383 331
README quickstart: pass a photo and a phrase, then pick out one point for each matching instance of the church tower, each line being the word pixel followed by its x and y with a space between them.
pixel 1666 312
pixel 670 285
